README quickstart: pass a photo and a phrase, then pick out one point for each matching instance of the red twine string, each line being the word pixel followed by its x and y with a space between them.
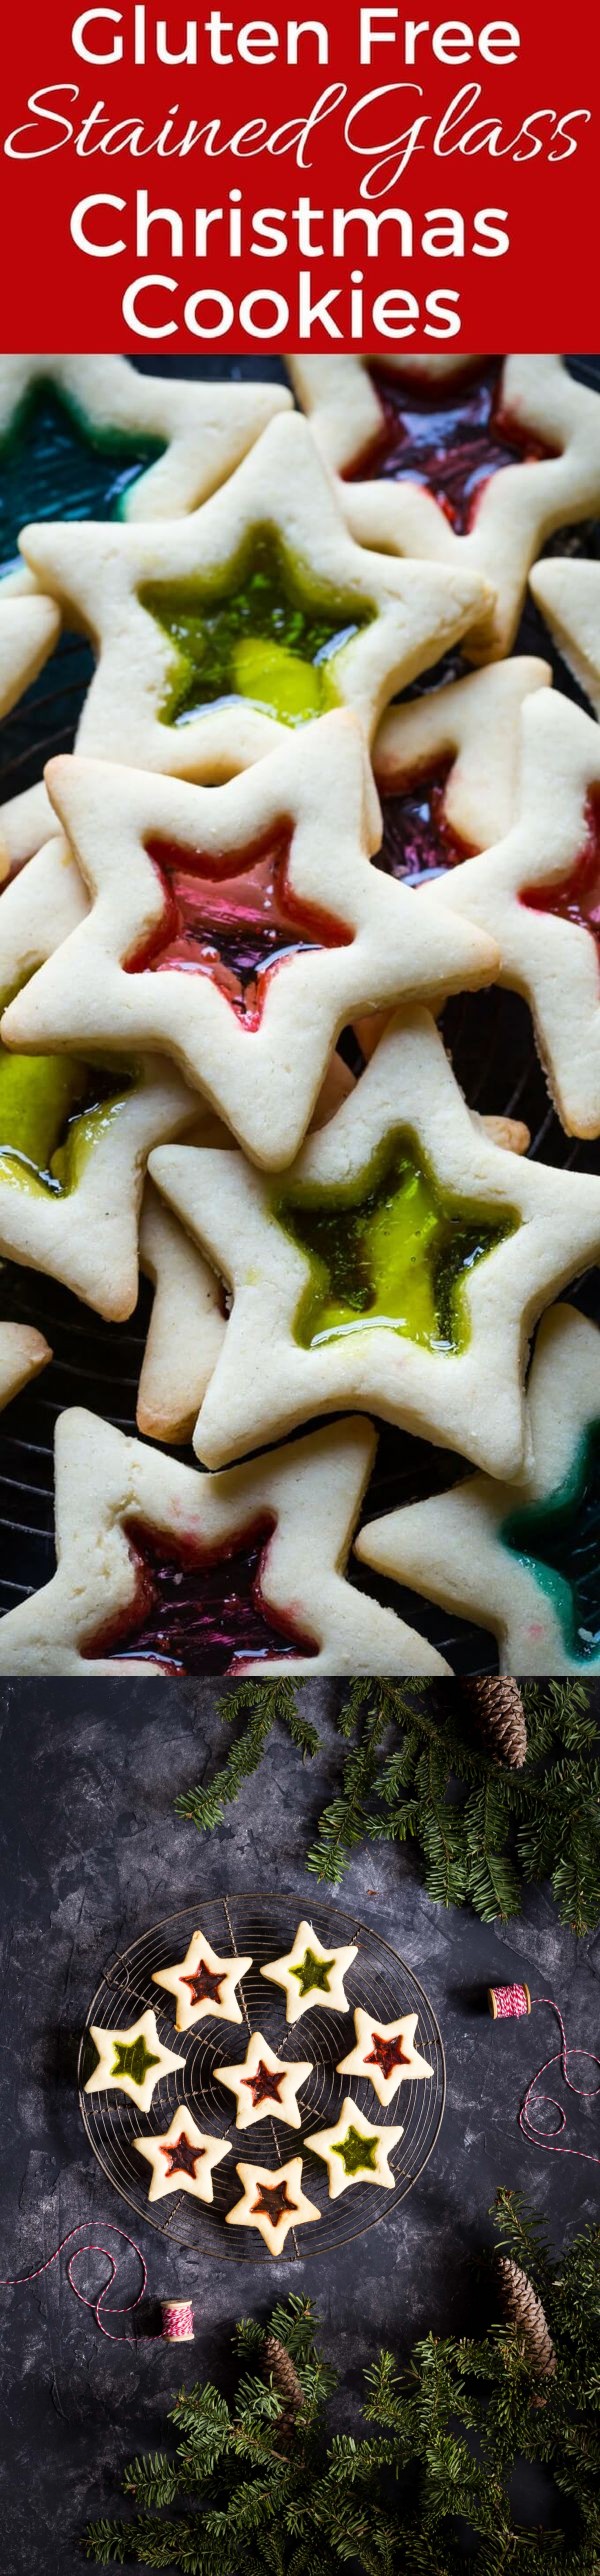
pixel 21 2279
pixel 589 2092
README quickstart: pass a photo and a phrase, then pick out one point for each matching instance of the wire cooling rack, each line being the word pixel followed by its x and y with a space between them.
pixel 97 1364
pixel 262 1927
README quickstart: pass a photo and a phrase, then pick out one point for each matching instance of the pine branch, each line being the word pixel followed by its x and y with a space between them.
pixel 370 1709
pixel 262 2480
pixel 260 1706
pixel 480 1825
pixel 520 2234
pixel 152 2480
pixel 493 1883
pixel 106 2543
pixel 556 1706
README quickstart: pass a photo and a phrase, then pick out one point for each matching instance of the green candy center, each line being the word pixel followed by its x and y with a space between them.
pixel 388 1248
pixel 260 630
pixel 357 2154
pixel 53 1110
pixel 312 1972
pixel 559 1543
pixel 133 2058
pixel 56 463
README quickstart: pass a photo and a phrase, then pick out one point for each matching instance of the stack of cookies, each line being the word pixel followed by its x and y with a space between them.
pixel 314 793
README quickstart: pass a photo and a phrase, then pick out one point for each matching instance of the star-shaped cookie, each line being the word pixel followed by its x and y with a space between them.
pixel 310 1976
pixel 502 1130
pixel 355 2151
pixel 480 473
pixel 186 1325
pixel 23 1352
pixel 273 2201
pixel 259 602
pixel 521 1560
pixel 39 908
pixel 239 929
pixel 398 1266
pixel 265 2086
pixel 538 894
pixel 163 1570
pixel 182 2158
pixel 204 1985
pixel 567 590
pixel 41 905
pixel 75 1137
pixel 131 2061
pixel 200 431
pixel 385 2054
pixel 196 434
pixel 447 766
pixel 29 629
pixel 187 1322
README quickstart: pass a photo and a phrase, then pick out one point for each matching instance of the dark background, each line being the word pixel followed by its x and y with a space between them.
pixel 92 1855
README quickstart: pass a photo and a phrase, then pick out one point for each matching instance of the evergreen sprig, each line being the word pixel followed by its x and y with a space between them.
pixel 425 2489
pixel 261 1706
pixel 412 1771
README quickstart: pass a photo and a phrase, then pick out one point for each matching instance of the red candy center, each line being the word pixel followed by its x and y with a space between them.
pixel 272 2201
pixel 182 2156
pixel 200 1611
pixel 417 839
pixel 452 441
pixel 576 897
pixel 264 2086
pixel 386 2053
pixel 205 1985
pixel 234 926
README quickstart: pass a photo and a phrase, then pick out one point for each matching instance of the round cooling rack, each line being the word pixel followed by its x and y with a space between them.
pixel 263 1927
pixel 98 1365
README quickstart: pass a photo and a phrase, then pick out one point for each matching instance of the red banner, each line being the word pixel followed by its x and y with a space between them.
pixel 356 178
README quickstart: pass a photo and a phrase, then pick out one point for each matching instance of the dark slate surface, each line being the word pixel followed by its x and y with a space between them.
pixel 92 1854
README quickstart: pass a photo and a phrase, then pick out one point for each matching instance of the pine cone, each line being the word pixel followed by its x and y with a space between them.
pixel 498 1712
pixel 280 2368
pixel 522 2308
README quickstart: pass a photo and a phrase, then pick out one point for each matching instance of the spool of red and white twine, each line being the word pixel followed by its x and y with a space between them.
pixel 177 2314
pixel 177 2321
pixel 508 2003
pixel 513 2003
